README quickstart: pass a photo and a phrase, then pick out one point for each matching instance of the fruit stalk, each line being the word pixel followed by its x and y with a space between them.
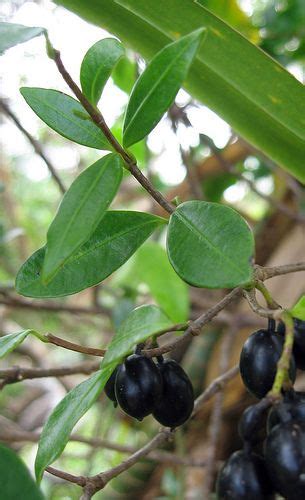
pixel 282 378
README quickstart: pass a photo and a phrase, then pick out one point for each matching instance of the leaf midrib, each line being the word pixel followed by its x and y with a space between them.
pixel 202 236
pixel 162 77
pixel 56 455
pixel 79 208
pixel 106 241
pixel 93 86
pixel 68 118
pixel 74 258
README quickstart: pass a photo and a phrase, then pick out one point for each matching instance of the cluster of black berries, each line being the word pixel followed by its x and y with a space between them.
pixel 142 387
pixel 246 475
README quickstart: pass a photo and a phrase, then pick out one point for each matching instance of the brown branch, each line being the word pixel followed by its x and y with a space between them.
pixel 192 176
pixel 18 302
pixel 71 346
pixel 36 145
pixel 8 436
pixel 19 373
pixel 217 385
pixel 265 273
pixel 195 327
pixel 99 120
pixel 80 480
pixel 265 312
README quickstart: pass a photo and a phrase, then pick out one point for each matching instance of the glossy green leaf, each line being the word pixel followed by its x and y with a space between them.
pixel 82 208
pixel 15 479
pixel 64 417
pixel 210 245
pixel 13 34
pixel 142 323
pixel 116 238
pixel 97 66
pixel 254 94
pixel 169 291
pixel 298 311
pixel 66 116
pixel 9 342
pixel 156 88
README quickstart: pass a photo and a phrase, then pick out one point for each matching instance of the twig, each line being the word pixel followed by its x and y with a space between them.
pixel 19 373
pixel 195 327
pixel 36 145
pixel 71 346
pixel 261 311
pixel 217 385
pixel 8 436
pixel 194 182
pixel 19 302
pixel 99 120
pixel 265 273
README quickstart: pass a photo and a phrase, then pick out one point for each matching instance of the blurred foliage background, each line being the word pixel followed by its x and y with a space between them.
pixel 191 154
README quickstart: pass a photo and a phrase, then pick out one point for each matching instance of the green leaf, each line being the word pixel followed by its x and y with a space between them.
pixel 253 93
pixel 156 88
pixel 210 245
pixel 13 34
pixel 66 116
pixel 142 323
pixel 115 239
pixel 97 66
pixel 298 311
pixel 169 291
pixel 15 479
pixel 9 342
pixel 66 414
pixel 82 208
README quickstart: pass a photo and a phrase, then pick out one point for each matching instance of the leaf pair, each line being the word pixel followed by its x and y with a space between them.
pixel 85 243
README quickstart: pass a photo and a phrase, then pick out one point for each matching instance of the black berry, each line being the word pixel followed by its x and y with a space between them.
pixel 258 361
pixel 177 401
pixel 138 386
pixel 292 408
pixel 285 459
pixel 109 387
pixel 251 422
pixel 244 477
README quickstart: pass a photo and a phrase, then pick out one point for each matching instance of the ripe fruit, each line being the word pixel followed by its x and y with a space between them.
pixel 177 401
pixel 285 459
pixel 109 387
pixel 251 422
pixel 291 408
pixel 258 361
pixel 244 477
pixel 138 386
pixel 299 341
